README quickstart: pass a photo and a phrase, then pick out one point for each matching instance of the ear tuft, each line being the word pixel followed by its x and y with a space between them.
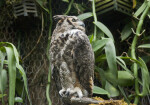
pixel 59 17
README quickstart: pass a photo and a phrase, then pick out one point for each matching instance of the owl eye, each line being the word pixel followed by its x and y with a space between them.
pixel 73 20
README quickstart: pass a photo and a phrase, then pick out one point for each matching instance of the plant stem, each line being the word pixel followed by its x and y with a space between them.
pixel 48 87
pixel 95 19
pixel 47 53
pixel 133 54
pixel 69 7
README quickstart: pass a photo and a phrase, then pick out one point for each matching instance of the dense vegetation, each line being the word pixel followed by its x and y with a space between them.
pixel 122 50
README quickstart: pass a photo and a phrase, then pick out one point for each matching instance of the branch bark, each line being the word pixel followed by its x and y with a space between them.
pixel 87 101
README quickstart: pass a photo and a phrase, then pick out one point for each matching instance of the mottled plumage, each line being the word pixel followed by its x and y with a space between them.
pixel 72 58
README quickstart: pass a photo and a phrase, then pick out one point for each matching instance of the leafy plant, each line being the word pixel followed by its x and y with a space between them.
pixel 114 80
pixel 10 57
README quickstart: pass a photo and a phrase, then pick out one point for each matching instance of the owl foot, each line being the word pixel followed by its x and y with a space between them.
pixel 76 92
pixel 62 92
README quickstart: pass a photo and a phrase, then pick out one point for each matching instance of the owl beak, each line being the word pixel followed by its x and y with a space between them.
pixel 82 24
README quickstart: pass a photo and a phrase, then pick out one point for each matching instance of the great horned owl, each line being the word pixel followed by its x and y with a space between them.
pixel 72 58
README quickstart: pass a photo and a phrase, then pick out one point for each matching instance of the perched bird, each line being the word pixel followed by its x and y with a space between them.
pixel 72 58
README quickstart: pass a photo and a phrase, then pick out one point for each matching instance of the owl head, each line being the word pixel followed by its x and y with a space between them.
pixel 69 22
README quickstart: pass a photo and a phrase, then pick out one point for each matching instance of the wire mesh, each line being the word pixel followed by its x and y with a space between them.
pixel 25 37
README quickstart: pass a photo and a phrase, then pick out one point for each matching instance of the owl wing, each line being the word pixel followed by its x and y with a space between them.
pixel 84 61
pixel 54 67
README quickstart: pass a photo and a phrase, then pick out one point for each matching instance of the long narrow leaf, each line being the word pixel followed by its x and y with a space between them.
pixel 144 46
pixel 111 58
pixel 41 3
pixel 145 75
pixel 99 44
pixel 21 70
pixel 102 75
pixel 133 60
pixel 85 15
pixel 100 58
pixel 14 49
pixel 126 32
pixel 91 38
pixel 125 78
pixel 120 60
pixel 123 93
pixel 3 81
pixel 2 57
pixel 141 9
pixel 145 78
pixel 98 90
pixel 12 74
pixel 102 27
pixel 3 73
pixel 2 95
pixel 111 90
pixel 124 67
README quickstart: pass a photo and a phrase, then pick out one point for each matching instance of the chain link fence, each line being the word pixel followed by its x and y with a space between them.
pixel 26 34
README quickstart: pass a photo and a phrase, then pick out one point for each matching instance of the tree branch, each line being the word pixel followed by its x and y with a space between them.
pixel 87 101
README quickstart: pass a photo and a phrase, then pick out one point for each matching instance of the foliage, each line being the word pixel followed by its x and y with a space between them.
pixel 113 79
pixel 10 57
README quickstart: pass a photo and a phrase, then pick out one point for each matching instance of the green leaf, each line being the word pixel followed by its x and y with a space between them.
pixel 18 99
pixel 85 15
pixel 20 88
pixel 12 74
pixel 141 9
pixel 144 46
pixel 129 58
pixel 67 1
pixel 111 58
pixel 145 75
pixel 80 7
pixel 91 38
pixel 3 73
pixel 124 67
pixel 123 93
pixel 126 32
pixel 15 51
pixel 102 75
pixel 41 3
pixel 99 44
pixel 145 78
pixel 3 81
pixel 148 14
pixel 104 29
pixel 111 90
pixel 120 60
pixel 2 95
pixel 15 57
pixel 100 58
pixel 125 78
pixel 22 72
pixel 2 58
pixel 98 90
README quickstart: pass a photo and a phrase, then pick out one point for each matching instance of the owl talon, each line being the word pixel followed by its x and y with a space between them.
pixel 62 92
pixel 68 92
pixel 76 92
